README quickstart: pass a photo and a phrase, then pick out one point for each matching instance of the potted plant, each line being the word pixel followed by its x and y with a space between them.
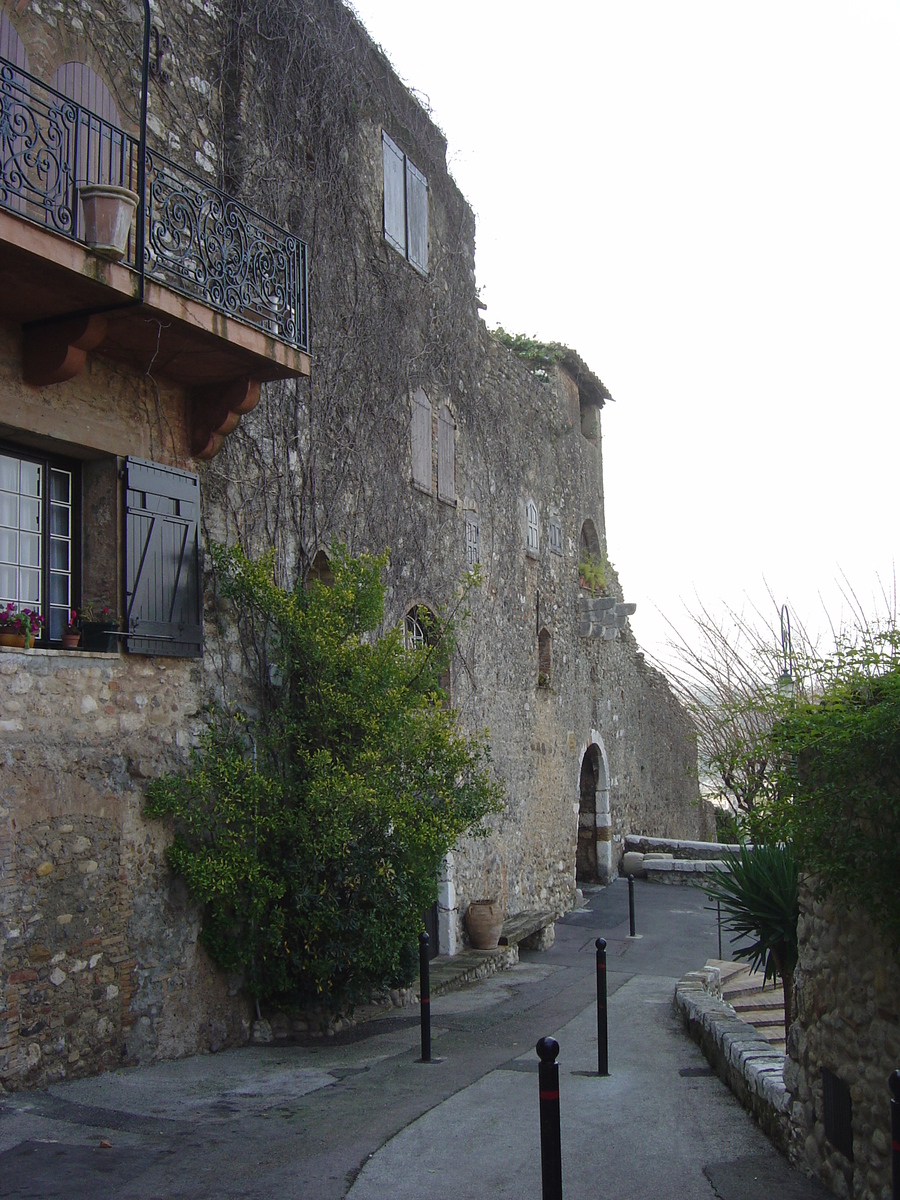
pixel 108 212
pixel 72 635
pixel 19 628
pixel 592 573
pixel 99 628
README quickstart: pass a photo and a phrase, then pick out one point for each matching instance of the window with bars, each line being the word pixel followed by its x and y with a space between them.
pixel 532 530
pixel 38 527
pixel 473 551
pixel 405 205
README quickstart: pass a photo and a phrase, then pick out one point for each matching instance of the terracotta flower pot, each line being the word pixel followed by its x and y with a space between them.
pixel 70 641
pixel 13 639
pixel 484 921
pixel 108 213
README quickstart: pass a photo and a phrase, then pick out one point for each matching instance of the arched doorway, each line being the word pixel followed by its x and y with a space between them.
pixel 593 854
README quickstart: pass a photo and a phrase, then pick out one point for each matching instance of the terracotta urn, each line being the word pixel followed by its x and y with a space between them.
pixel 108 213
pixel 484 922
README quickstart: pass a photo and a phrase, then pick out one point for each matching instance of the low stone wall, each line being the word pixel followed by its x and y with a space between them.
pixel 678 848
pixel 741 1057
pixel 847 1004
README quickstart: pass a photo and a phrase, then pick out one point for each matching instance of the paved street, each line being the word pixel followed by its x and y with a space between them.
pixel 357 1116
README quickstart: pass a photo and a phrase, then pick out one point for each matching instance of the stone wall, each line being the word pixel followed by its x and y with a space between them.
pixel 99 963
pixel 847 997
pixel 104 965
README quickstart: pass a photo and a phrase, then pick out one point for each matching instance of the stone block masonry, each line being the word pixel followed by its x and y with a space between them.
pixel 847 1000
pixel 98 964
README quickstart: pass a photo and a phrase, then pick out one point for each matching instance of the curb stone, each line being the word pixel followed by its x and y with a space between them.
pixel 742 1059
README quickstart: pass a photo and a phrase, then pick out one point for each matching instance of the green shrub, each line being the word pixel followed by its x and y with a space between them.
pixel 840 782
pixel 314 836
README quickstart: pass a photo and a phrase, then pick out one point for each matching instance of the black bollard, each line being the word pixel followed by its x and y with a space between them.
pixel 424 998
pixel 894 1085
pixel 551 1148
pixel 631 904
pixel 719 925
pixel 602 1026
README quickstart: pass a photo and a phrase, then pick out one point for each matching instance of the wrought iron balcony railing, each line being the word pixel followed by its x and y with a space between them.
pixel 199 241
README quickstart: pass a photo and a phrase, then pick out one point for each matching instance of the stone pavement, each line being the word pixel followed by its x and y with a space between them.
pixel 356 1116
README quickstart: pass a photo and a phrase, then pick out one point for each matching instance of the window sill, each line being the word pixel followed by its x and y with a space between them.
pixel 53 652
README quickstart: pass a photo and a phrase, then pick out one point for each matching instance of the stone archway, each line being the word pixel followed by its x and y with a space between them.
pixel 593 855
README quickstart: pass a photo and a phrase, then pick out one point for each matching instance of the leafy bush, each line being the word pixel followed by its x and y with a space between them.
pixel 840 779
pixel 314 836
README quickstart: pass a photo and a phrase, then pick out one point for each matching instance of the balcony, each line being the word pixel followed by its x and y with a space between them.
pixel 225 290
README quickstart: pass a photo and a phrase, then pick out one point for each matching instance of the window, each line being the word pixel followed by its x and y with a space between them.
pixel 421 442
pixel 473 551
pixel 446 456
pixel 556 546
pixel 420 629
pixel 532 531
pixel 405 205
pixel 414 629
pixel 38 551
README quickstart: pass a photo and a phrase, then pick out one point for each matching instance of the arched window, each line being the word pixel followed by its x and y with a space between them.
pixel 416 625
pixel 532 530
pixel 545 657
pixel 589 542
pixel 420 629
pixel 320 570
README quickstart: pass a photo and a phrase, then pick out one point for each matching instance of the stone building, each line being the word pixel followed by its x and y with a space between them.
pixel 212 382
pixel 843 1045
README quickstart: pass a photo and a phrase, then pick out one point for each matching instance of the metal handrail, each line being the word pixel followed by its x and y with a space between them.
pixel 198 240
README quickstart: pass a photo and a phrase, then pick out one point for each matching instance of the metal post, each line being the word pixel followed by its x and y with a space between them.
pixel 551 1148
pixel 631 904
pixel 719 925
pixel 425 998
pixel 894 1085
pixel 602 1025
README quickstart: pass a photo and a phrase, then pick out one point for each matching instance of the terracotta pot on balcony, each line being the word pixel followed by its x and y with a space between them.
pixel 108 213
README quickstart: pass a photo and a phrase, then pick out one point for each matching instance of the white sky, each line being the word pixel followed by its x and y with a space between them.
pixel 703 199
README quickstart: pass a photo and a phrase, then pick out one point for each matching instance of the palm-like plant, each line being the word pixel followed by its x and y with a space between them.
pixel 758 890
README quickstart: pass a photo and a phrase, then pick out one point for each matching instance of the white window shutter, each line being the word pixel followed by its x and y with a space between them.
pixel 421 441
pixel 416 217
pixel 532 536
pixel 394 194
pixel 446 456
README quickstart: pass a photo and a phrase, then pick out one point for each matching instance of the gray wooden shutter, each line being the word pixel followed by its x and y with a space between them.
pixel 446 456
pixel 416 217
pixel 394 194
pixel 421 441
pixel 18 187
pixel 101 144
pixel 11 47
pixel 162 549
